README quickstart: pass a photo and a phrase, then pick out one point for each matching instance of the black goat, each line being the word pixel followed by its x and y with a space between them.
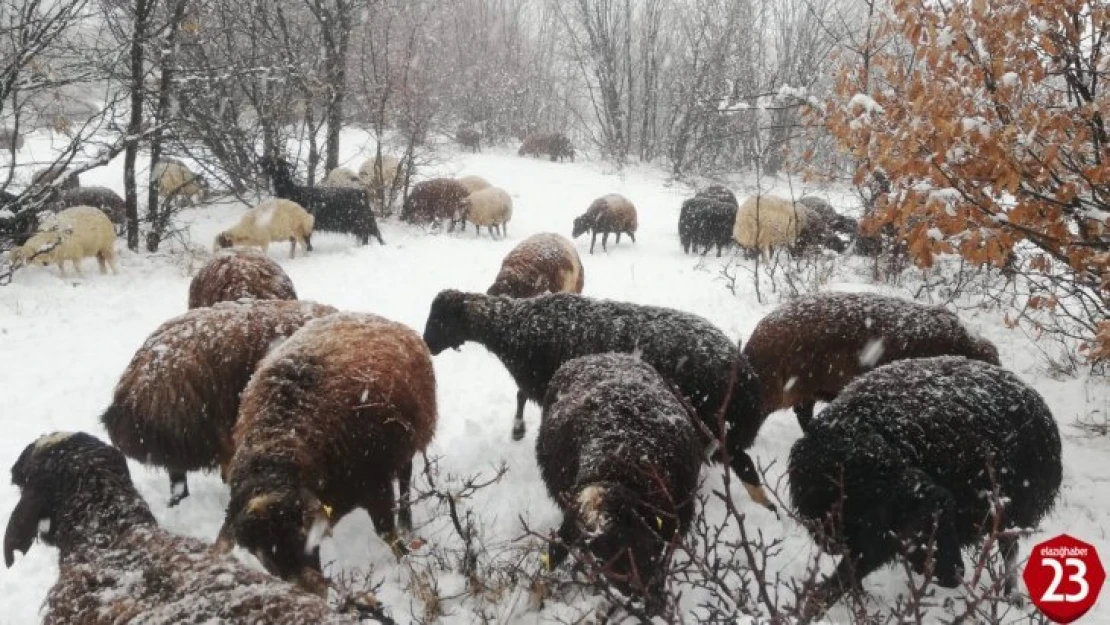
pixel 336 209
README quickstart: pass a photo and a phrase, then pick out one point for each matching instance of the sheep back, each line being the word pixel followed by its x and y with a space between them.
pixel 764 222
pixel 705 221
pixel 813 346
pixel 175 180
pixel 103 198
pixel 342 177
pixel 924 437
pixel 608 213
pixel 491 206
pixel 619 454
pixel 176 402
pixel 435 199
pixel 380 177
pixel 72 235
pixel 235 274
pixel 474 183
pixel 542 263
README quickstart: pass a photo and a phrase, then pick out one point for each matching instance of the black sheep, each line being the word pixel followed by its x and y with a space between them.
pixel 910 448
pixel 116 565
pixel 533 337
pixel 336 209
pixel 620 455
pixel 706 221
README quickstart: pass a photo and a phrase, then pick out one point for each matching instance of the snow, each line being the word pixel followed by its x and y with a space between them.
pixel 865 102
pixel 68 340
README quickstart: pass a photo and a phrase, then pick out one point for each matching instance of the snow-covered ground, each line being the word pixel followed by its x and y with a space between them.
pixel 65 343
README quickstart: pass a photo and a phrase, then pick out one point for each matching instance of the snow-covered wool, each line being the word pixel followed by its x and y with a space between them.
pixel 103 198
pixel 823 211
pixel 491 207
pixel 176 402
pixel 824 227
pixel 474 183
pixel 918 446
pixel 329 419
pixel 342 177
pixel 469 138
pixel 706 220
pixel 542 263
pixel 608 213
pixel 434 200
pixel 334 209
pixel 533 337
pixel 49 175
pixel 116 565
pixel 811 347
pixel 238 273
pixel 274 219
pixel 620 456
pixel 177 182
pixel 555 146
pixel 768 221
pixel 71 235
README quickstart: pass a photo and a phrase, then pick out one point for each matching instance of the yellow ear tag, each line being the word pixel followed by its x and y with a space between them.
pixel 545 560
pixel 659 522
pixel 327 511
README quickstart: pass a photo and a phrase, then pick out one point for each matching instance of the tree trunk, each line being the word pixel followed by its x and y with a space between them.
pixel 135 123
pixel 160 215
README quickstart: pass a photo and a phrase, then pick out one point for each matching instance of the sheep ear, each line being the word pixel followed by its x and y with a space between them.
pixel 591 507
pixel 23 525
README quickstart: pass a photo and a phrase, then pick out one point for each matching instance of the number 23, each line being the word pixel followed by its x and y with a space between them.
pixel 1079 577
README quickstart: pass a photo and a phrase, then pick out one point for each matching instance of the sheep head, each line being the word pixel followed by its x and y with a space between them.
pixel 283 529
pixel 582 223
pixel 60 476
pixel 223 240
pixel 447 325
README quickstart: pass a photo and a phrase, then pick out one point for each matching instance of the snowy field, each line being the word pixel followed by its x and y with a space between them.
pixel 66 342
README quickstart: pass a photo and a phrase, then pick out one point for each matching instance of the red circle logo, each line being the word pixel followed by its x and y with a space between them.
pixel 1064 576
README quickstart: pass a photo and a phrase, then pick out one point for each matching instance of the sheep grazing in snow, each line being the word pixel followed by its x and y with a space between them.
pixel 913 450
pixel 824 227
pixel 116 565
pixel 474 183
pixel 327 421
pixel 434 200
pixel 533 337
pixel 766 222
pixel 343 178
pixel 555 146
pixel 71 235
pixel 176 402
pixel 811 347
pixel 53 173
pixel 542 263
pixel 103 198
pixel 469 138
pixel 609 213
pixel 707 219
pixel 178 183
pixel 620 455
pixel 234 274
pixel 274 219
pixel 491 207
pixel 334 209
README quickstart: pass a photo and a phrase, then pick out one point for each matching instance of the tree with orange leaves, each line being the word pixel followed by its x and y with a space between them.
pixel 989 119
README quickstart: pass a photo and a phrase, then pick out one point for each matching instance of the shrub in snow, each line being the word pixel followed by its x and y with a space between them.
pixel 612 213
pixel 542 263
pixel 274 219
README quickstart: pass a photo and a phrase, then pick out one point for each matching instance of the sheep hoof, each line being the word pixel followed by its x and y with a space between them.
pixel 518 432
pixel 176 499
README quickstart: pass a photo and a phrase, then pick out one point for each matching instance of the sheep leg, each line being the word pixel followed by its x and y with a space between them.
pixel 744 467
pixel 308 243
pixel 380 506
pixel 179 488
pixel 618 237
pixel 404 483
pixel 593 239
pixel 604 239
pixel 1008 546
pixel 292 247
pixel 929 514
pixel 803 410
pixel 100 263
pixel 632 235
pixel 849 572
pixel 518 419
pixel 110 258
pixel 76 267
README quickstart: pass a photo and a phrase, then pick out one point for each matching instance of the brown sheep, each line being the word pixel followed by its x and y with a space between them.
pixel 609 213
pixel 237 273
pixel 555 146
pixel 117 566
pixel 176 402
pixel 434 200
pixel 542 263
pixel 810 348
pixel 328 420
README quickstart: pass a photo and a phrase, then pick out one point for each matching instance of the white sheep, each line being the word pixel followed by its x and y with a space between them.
pixel 342 177
pixel 491 207
pixel 273 219
pixel 72 234
pixel 768 221
pixel 474 183
pixel 177 181
pixel 383 178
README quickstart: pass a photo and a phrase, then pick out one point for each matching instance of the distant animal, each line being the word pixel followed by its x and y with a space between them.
pixel 619 454
pixel 811 347
pixel 473 183
pixel 48 175
pixel 103 198
pixel 937 448
pixel 328 420
pixel 434 200
pixel 342 177
pixel 10 140
pixel 379 181
pixel 542 263
pixel 534 336
pixel 116 565
pixel 71 235
pixel 555 146
pixel 333 209
pixel 469 138
pixel 175 404
pixel 238 273
pixel 177 183
pixel 274 219
pixel 707 220
pixel 609 213
pixel 491 207
pixel 766 222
